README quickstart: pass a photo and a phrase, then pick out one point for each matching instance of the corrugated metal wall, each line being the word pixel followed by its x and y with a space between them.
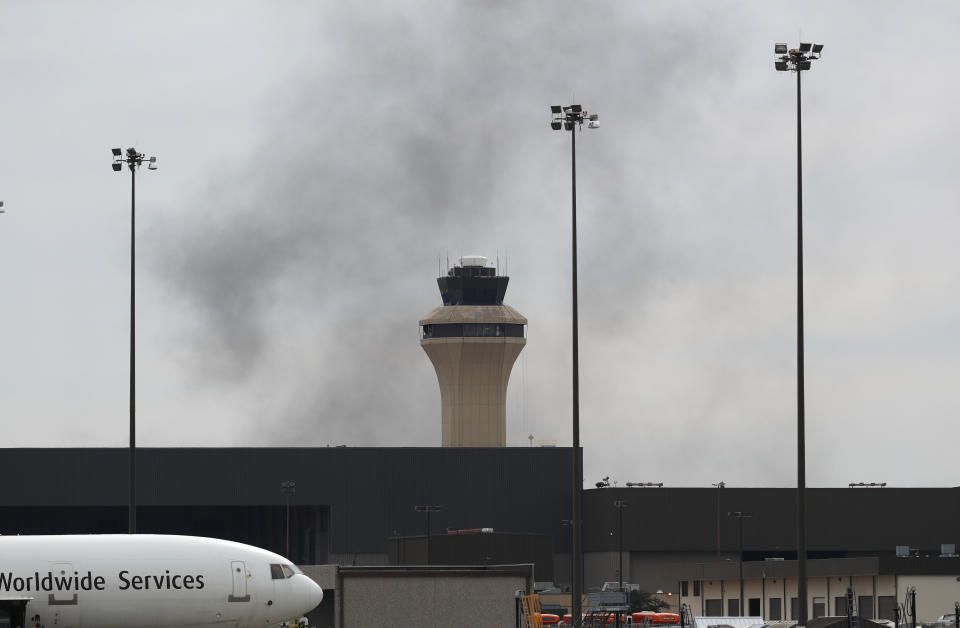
pixel 846 520
pixel 370 492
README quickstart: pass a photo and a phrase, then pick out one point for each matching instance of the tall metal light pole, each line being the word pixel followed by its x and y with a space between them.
pixel 571 119
pixel 568 523
pixel 912 594
pixel 133 159
pixel 620 504
pixel 428 510
pixel 798 60
pixel 288 488
pixel 718 486
pixel 740 517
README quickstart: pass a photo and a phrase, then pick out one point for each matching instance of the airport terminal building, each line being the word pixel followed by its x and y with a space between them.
pixel 356 507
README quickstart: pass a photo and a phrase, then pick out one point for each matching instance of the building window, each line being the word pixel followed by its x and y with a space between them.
pixel 471 330
pixel 819 607
pixel 794 608
pixel 715 608
pixel 684 588
pixel 754 605
pixel 775 610
pixel 733 608
pixel 696 588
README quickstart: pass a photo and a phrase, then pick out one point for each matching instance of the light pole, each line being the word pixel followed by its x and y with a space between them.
pixel 620 504
pixel 288 488
pixel 133 159
pixel 428 510
pixel 571 119
pixel 912 593
pixel 568 523
pixel 703 595
pixel 740 517
pixel 718 486
pixel 797 60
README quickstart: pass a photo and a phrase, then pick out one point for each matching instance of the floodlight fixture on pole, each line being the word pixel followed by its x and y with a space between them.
pixel 428 510
pixel 799 60
pixel 133 159
pixel 795 59
pixel 571 118
pixel 288 488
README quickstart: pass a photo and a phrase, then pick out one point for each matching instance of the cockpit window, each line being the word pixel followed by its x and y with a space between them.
pixel 296 569
pixel 282 572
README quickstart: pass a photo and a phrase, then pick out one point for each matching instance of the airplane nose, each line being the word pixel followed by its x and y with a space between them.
pixel 316 594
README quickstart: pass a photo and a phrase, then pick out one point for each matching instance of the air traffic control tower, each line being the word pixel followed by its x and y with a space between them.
pixel 473 340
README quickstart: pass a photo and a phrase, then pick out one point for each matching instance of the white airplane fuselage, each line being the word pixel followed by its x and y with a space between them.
pixel 149 581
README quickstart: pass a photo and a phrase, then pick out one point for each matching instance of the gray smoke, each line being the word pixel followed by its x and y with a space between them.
pixel 423 130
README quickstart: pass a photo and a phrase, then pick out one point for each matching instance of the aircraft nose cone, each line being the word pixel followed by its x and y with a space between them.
pixel 316 594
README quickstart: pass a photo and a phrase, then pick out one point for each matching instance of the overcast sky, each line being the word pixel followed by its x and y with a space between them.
pixel 316 158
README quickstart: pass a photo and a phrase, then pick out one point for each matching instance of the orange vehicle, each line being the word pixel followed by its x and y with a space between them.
pixel 548 619
pixel 667 618
pixel 656 619
pixel 606 618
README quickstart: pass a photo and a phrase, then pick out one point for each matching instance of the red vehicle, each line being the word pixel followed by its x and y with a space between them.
pixel 597 618
pixel 656 619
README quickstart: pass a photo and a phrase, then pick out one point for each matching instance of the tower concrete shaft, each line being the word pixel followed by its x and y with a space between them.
pixel 473 341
